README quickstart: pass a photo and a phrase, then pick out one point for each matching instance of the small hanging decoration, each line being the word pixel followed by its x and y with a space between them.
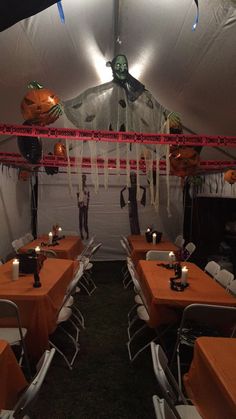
pixel 61 12
pixel 230 176
pixel 24 175
pixel 60 150
pixel 40 106
pixel 51 170
pixel 184 161
pixel 197 16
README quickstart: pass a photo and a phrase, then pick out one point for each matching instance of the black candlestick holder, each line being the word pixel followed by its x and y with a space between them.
pixel 37 283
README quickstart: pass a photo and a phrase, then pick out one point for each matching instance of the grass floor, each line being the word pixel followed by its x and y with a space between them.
pixel 103 383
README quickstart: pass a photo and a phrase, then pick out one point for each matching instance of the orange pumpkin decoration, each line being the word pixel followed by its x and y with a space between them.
pixel 41 106
pixel 230 176
pixel 60 150
pixel 184 161
pixel 23 175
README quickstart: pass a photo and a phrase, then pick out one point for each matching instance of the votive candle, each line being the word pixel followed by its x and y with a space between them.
pixel 37 250
pixel 184 275
pixel 15 269
pixel 154 238
pixel 59 231
pixel 171 257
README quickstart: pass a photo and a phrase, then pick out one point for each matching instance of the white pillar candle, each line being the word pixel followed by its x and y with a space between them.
pixel 154 238
pixel 50 236
pixel 184 275
pixel 59 231
pixel 37 250
pixel 171 257
pixel 15 269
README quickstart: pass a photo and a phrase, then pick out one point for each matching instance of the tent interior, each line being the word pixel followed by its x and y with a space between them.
pixel 191 72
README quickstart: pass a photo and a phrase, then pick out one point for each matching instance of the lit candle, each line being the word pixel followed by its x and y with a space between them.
pixel 59 231
pixel 148 230
pixel 15 269
pixel 154 238
pixel 37 250
pixel 184 275
pixel 171 257
pixel 50 236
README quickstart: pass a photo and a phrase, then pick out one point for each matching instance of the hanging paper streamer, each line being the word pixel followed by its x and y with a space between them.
pixel 61 12
pixel 197 16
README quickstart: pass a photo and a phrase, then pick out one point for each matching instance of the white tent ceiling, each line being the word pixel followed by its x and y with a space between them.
pixel 190 72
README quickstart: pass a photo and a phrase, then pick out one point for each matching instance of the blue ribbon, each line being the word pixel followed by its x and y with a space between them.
pixel 197 16
pixel 61 12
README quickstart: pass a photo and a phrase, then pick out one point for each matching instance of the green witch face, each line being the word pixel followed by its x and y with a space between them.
pixel 120 67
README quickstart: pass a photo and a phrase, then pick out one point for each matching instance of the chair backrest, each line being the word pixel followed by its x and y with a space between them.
pixel 168 385
pixel 126 242
pixel 158 255
pixel 232 287
pixel 74 282
pixel 27 398
pixel 179 241
pixel 17 244
pixel 95 249
pixel 224 278
pixel 211 319
pixel 212 268
pixel 188 250
pixel 162 409
pixel 126 249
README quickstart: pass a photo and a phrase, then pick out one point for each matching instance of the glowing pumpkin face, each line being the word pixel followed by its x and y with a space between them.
pixel 184 161
pixel 41 106
pixel 59 150
pixel 230 176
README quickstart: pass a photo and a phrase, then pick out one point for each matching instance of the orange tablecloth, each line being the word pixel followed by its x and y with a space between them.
pixel 140 247
pixel 163 303
pixel 38 306
pixel 12 380
pixel 211 380
pixel 68 248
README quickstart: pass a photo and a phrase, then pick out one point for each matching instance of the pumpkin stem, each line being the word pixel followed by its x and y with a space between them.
pixel 34 85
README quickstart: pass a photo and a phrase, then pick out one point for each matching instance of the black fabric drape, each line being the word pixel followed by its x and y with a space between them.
pixel 12 11
pixel 34 203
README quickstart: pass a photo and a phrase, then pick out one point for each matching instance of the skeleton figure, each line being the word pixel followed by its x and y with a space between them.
pixel 132 203
pixel 83 205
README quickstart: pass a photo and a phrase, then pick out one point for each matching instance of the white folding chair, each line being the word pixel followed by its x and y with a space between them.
pixel 15 336
pixel 164 411
pixel 188 250
pixel 224 278
pixel 26 400
pixel 71 302
pixel 212 268
pixel 179 241
pixel 17 244
pixel 158 255
pixel 65 314
pixel 202 320
pixel 169 388
pixel 232 287
pixel 86 280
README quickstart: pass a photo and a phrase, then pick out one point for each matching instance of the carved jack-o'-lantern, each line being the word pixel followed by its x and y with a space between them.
pixel 184 161
pixel 230 176
pixel 60 150
pixel 41 106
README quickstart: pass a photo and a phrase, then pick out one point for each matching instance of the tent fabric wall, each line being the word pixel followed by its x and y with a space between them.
pixel 14 209
pixel 107 221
